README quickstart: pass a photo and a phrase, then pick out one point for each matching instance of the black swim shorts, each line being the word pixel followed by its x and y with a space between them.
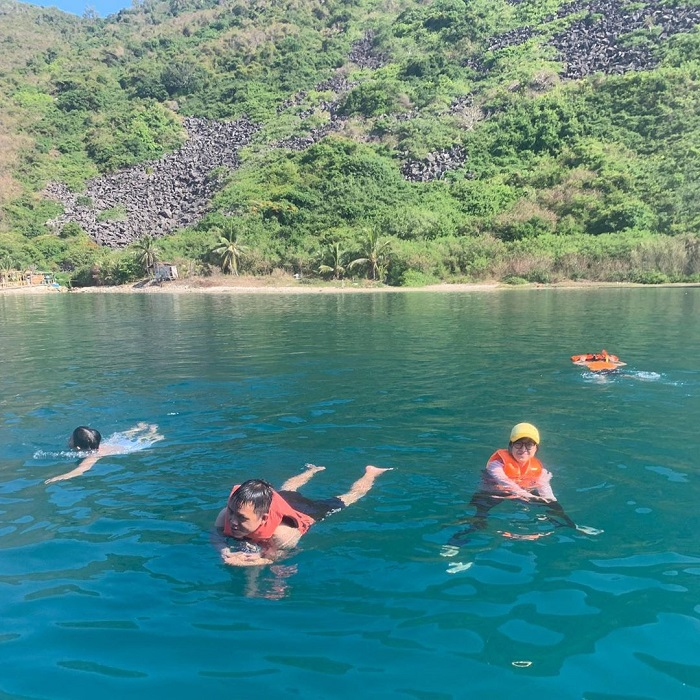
pixel 316 509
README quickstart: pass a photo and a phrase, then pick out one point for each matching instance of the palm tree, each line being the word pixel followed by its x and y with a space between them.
pixel 375 255
pixel 229 249
pixel 147 253
pixel 335 255
pixel 5 268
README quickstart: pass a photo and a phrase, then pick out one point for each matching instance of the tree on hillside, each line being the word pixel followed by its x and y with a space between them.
pixel 375 255
pixel 147 253
pixel 333 257
pixel 229 250
pixel 6 268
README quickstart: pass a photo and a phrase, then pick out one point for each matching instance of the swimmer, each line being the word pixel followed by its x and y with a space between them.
pixel 516 473
pixel 85 439
pixel 275 520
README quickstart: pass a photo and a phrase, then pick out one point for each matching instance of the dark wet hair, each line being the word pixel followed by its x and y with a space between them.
pixel 254 491
pixel 85 438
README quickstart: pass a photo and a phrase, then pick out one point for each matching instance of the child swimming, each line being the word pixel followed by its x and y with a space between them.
pixel 88 440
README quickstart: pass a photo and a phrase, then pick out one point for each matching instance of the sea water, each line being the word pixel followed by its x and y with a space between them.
pixel 109 584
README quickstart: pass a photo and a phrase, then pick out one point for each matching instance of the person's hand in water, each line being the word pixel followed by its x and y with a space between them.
pixel 62 477
pixel 532 498
pixel 587 530
pixel 243 558
pixel 84 466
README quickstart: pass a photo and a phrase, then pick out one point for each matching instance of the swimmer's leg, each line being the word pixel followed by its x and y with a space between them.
pixel 138 428
pixel 556 515
pixel 483 502
pixel 362 485
pixel 559 518
pixel 295 482
pixel 153 435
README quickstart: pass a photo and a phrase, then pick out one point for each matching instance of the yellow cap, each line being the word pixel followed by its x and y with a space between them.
pixel 525 430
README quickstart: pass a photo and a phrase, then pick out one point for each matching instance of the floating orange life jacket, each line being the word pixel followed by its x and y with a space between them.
pixel 279 508
pixel 524 475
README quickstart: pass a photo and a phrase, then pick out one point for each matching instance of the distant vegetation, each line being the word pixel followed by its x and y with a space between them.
pixel 404 142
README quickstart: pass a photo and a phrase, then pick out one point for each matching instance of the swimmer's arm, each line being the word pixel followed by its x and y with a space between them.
pixel 218 539
pixel 244 558
pixel 284 538
pixel 84 466
pixel 543 487
pixel 497 473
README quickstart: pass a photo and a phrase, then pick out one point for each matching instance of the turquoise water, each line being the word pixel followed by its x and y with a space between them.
pixel 108 582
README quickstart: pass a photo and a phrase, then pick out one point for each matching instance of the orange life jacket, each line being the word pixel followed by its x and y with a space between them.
pixel 279 508
pixel 524 475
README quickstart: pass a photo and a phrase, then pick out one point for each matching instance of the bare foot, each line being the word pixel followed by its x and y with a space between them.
pixel 313 468
pixel 376 471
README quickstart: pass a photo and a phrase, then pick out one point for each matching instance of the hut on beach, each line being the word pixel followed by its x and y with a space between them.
pixel 165 271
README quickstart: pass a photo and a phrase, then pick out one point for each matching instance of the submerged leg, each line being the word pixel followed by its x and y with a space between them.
pixel 295 482
pixel 483 502
pixel 556 515
pixel 362 485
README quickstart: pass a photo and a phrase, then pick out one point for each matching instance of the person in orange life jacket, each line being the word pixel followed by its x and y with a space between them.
pixel 515 473
pixel 256 514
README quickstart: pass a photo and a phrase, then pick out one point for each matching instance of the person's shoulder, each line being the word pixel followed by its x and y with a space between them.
pixel 496 457
pixel 220 518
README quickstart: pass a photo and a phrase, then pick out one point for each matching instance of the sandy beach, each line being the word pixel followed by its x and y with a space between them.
pixel 257 285
pixel 250 285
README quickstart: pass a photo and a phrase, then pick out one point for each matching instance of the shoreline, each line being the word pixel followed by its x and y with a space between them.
pixel 265 286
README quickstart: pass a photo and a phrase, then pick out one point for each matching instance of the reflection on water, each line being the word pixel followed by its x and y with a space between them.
pixel 112 576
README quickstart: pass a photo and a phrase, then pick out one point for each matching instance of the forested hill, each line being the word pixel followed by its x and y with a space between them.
pixel 397 140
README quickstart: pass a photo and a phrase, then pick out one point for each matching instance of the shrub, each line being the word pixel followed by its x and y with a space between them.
pixel 414 278
pixel 514 280
pixel 648 277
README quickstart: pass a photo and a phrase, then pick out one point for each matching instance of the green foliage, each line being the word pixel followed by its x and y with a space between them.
pixel 142 133
pixel 372 98
pixel 117 213
pixel 333 260
pixel 450 21
pixel 514 280
pixel 596 178
pixel 539 126
pixel 375 255
pixel 183 78
pixel 147 254
pixel 413 278
pixel 517 230
pixel 107 270
pixel 229 250
pixel 76 95
pixel 29 213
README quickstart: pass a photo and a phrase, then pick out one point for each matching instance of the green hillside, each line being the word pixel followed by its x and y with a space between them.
pixel 401 141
